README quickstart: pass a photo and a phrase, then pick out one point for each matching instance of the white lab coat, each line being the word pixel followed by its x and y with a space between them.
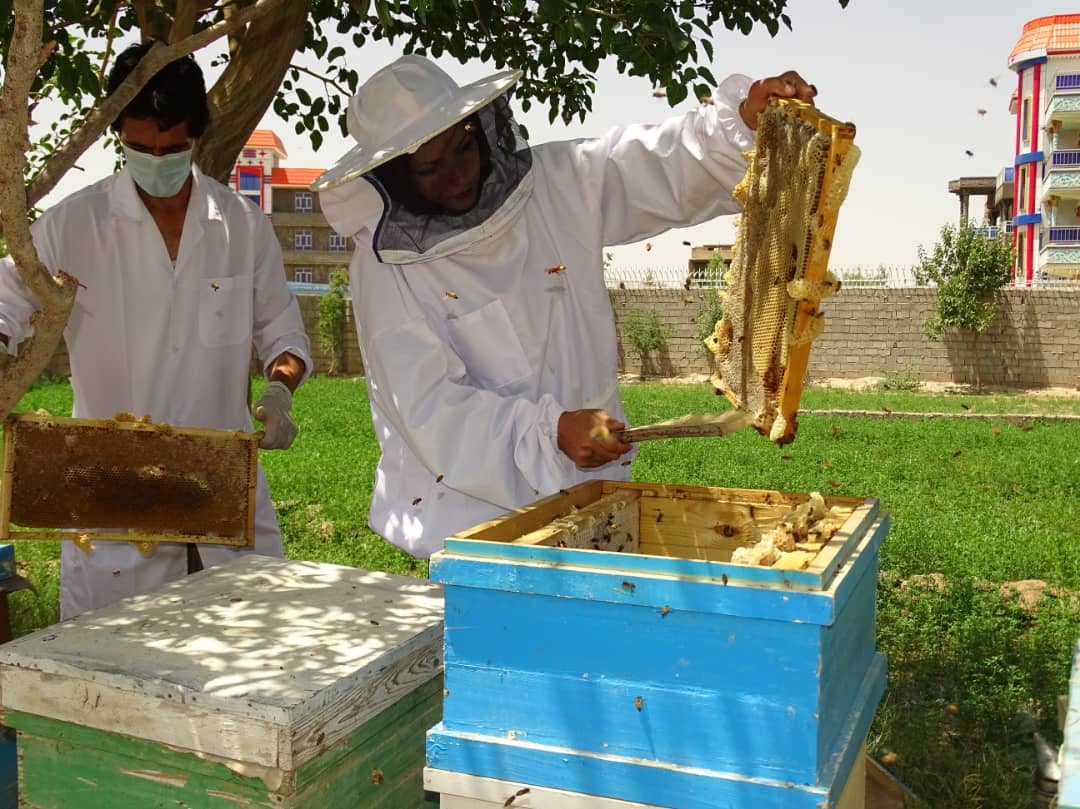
pixel 150 339
pixel 466 389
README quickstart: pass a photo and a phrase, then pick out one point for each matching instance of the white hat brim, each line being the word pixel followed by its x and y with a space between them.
pixel 360 159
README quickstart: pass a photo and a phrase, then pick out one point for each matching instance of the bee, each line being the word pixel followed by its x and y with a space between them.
pixel 416 501
pixel 373 622
pixel 626 463
pixel 686 284
pixel 555 269
pixel 648 246
pixel 639 703
pixel 439 479
pixel 827 464
pixel 450 294
pixel 629 586
pixel 660 517
pixel 376 776
pixel 687 299
pixel 834 483
pixel 665 610
pixel 723 579
pixel 957 453
pixel 214 285
pixel 518 794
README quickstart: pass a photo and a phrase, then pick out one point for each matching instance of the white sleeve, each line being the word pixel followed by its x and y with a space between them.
pixel 677 173
pixel 17 302
pixel 500 449
pixel 278 326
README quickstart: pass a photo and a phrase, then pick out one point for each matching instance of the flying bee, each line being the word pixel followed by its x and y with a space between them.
pixel 639 703
pixel 416 501
pixel 214 285
pixel 555 269
pixel 451 295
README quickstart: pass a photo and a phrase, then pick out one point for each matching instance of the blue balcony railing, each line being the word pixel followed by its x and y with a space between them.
pixel 994 231
pixel 1067 81
pixel 1066 158
pixel 1071 234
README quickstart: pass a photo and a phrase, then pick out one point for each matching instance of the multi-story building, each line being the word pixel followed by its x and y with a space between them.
pixel 310 248
pixel 1046 104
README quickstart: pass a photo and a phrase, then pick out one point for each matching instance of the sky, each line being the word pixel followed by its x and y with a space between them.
pixel 911 75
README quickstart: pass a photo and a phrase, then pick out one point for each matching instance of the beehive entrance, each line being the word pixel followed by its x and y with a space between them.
pixel 127 480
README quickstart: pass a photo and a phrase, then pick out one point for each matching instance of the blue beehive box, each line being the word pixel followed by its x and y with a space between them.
pixel 601 642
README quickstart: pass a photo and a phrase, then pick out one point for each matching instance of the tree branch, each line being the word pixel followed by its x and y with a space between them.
pixel 156 58
pixel 326 80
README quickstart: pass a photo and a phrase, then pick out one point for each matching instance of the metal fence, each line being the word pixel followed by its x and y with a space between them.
pixel 675 277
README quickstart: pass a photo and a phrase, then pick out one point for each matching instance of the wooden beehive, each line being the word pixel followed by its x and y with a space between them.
pixel 258 683
pixel 600 642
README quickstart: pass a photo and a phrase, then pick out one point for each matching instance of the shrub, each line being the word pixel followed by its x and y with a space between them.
pixel 331 312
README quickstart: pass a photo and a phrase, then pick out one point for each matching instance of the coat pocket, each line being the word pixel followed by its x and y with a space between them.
pixel 488 344
pixel 225 307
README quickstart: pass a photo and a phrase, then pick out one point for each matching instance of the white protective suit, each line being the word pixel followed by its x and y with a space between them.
pixel 147 339
pixel 473 350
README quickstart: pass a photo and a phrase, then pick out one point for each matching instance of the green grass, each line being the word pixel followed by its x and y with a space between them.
pixel 979 502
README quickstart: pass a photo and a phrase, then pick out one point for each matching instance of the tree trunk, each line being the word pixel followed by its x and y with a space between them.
pixel 55 295
pixel 247 87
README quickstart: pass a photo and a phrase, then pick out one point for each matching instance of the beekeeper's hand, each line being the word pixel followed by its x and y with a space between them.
pixel 273 411
pixel 585 437
pixel 786 85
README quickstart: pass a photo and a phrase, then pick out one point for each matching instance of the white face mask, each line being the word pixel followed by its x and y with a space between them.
pixel 158 175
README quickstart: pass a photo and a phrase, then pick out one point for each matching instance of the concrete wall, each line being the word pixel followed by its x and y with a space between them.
pixel 1035 341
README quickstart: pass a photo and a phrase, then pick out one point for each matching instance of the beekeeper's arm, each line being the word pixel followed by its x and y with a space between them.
pixel 682 171
pixel 280 342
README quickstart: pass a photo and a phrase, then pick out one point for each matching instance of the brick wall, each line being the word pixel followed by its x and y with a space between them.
pixel 1035 341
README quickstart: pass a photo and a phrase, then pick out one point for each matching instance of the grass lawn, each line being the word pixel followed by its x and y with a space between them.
pixel 981 503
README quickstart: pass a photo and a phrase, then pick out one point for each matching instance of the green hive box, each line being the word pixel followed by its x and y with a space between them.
pixel 259 683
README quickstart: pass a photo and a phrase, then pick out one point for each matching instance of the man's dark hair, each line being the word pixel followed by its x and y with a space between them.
pixel 175 95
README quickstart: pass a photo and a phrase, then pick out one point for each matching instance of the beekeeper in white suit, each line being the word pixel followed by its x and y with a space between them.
pixel 179 277
pixel 477 281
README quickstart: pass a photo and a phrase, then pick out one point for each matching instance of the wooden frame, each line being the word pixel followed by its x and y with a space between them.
pixel 667 525
pixel 144 541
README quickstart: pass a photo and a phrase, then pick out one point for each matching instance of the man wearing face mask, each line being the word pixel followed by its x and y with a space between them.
pixel 179 278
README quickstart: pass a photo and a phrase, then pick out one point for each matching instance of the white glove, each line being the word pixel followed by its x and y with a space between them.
pixel 273 411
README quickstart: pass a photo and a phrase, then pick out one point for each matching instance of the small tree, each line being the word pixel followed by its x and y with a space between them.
pixel 332 309
pixel 966 268
pixel 644 331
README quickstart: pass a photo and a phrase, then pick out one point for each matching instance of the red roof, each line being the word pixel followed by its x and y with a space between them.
pixel 1058 32
pixel 265 139
pixel 295 177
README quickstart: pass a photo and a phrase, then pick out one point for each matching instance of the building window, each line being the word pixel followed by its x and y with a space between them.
pixel 249 153
pixel 302 240
pixel 1021 190
pixel 302 275
pixel 337 241
pixel 250 181
pixel 303 202
pixel 1025 121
